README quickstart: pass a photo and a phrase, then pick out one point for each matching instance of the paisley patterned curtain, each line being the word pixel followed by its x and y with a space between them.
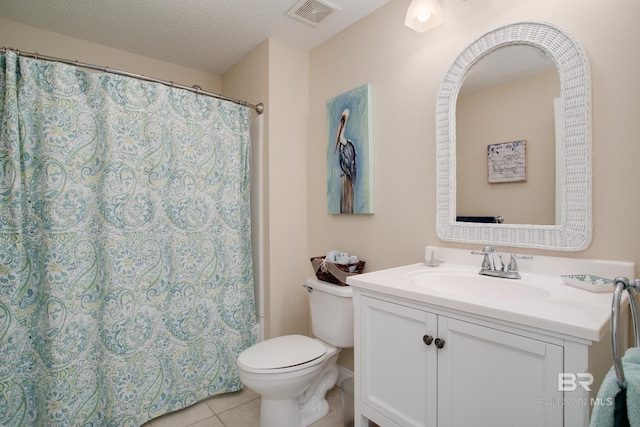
pixel 126 286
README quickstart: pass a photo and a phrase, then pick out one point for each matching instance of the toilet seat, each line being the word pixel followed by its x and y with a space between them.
pixel 281 354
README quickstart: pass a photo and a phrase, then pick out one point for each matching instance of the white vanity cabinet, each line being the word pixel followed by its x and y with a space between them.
pixel 485 373
pixel 398 375
pixel 445 347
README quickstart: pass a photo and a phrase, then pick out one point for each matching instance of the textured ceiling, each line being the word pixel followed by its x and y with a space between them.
pixel 208 35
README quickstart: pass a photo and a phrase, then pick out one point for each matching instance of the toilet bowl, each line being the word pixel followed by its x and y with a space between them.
pixel 293 373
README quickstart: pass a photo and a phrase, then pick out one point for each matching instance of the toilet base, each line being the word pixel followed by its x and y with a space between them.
pixel 279 413
pixel 313 404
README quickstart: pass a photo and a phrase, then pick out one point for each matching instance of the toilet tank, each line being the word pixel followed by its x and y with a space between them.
pixel 331 312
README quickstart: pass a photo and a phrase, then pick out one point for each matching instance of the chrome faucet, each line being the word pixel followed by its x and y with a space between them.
pixel 493 266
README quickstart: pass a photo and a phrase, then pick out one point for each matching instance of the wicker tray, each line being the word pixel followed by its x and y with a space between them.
pixel 334 273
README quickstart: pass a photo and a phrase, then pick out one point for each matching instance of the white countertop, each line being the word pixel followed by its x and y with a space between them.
pixel 553 306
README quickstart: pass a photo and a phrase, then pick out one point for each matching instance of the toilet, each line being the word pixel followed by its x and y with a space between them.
pixel 293 373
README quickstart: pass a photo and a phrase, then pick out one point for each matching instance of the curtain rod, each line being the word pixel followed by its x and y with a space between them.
pixel 259 108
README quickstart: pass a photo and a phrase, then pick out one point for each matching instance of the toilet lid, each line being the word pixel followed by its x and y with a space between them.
pixel 282 352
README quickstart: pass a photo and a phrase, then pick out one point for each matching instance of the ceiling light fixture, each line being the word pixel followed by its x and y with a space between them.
pixel 423 15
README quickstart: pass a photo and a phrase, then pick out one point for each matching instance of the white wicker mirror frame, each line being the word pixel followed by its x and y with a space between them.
pixel 574 232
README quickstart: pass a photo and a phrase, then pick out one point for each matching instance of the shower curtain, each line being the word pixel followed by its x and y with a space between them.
pixel 126 287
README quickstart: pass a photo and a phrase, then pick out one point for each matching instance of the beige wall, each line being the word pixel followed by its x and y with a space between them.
pixel 282 73
pixel 406 68
pixel 31 39
pixel 289 261
pixel 516 110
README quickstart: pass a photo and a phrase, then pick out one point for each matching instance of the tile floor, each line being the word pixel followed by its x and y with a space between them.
pixel 239 409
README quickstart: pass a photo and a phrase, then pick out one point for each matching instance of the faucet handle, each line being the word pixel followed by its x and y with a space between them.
pixel 487 250
pixel 513 265
pixel 486 262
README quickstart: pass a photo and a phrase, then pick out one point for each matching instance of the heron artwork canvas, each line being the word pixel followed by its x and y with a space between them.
pixel 350 153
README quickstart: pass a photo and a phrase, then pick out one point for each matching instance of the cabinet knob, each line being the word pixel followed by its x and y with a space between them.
pixel 428 339
pixel 439 342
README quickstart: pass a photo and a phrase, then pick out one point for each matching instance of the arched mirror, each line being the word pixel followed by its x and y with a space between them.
pixel 514 141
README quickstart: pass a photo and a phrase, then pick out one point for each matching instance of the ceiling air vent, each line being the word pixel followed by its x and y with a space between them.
pixel 312 12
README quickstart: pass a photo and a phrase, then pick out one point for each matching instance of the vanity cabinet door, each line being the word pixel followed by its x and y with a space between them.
pixel 494 378
pixel 398 368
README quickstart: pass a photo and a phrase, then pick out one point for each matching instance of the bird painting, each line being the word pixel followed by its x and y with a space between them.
pixel 349 152
pixel 347 160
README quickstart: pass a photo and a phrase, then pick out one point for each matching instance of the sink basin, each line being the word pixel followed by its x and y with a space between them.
pixel 468 285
